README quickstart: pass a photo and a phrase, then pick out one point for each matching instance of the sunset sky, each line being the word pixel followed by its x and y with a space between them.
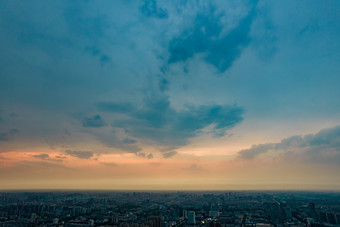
pixel 170 95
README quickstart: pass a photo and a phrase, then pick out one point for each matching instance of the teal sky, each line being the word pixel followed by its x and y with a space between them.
pixel 190 82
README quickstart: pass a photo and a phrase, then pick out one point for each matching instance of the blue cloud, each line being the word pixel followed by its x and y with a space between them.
pixel 163 83
pixel 157 121
pixel 255 150
pixel 112 140
pixel 322 147
pixel 104 59
pixel 3 136
pixel 94 122
pixel 206 36
pixel 115 107
pixel 150 9
pixel 129 141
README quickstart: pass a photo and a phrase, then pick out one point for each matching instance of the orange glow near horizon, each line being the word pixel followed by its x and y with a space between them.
pixel 36 170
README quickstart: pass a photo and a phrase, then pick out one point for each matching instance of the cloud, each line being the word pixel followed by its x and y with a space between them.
pixel 129 141
pixel 141 154
pixel 104 59
pixel 206 36
pixel 80 154
pixel 42 156
pixel 255 150
pixel 322 147
pixel 149 156
pixel 110 139
pixel 169 154
pixel 61 157
pixel 110 164
pixel 3 136
pixel 2 157
pixel 13 131
pixel 46 157
pixel 144 155
pixel 40 164
pixel 163 83
pixel 158 122
pixel 150 9
pixel 94 122
pixel 194 168
pixel 115 107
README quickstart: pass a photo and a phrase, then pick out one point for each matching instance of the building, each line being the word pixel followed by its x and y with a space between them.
pixel 191 217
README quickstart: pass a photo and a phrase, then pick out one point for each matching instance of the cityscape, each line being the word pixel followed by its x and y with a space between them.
pixel 167 209
pixel 170 113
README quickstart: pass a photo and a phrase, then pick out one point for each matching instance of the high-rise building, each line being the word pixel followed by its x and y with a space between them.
pixel 55 221
pixel 185 214
pixel 115 218
pixel 155 221
pixel 191 217
pixel 33 217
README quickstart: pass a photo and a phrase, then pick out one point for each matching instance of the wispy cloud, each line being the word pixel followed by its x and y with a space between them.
pixel 158 122
pixel 110 164
pixel 169 154
pixel 94 122
pixel 44 156
pixel 80 154
pixel 322 147
pixel 151 9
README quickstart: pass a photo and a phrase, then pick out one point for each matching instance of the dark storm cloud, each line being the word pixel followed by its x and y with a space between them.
pixel 94 122
pixel 157 121
pixel 322 147
pixel 80 154
pixel 206 36
pixel 150 9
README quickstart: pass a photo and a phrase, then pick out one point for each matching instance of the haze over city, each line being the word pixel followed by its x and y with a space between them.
pixel 170 95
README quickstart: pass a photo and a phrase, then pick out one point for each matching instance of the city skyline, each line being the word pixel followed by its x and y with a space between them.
pixel 160 95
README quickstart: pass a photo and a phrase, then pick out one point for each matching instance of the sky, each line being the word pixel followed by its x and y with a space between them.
pixel 170 95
